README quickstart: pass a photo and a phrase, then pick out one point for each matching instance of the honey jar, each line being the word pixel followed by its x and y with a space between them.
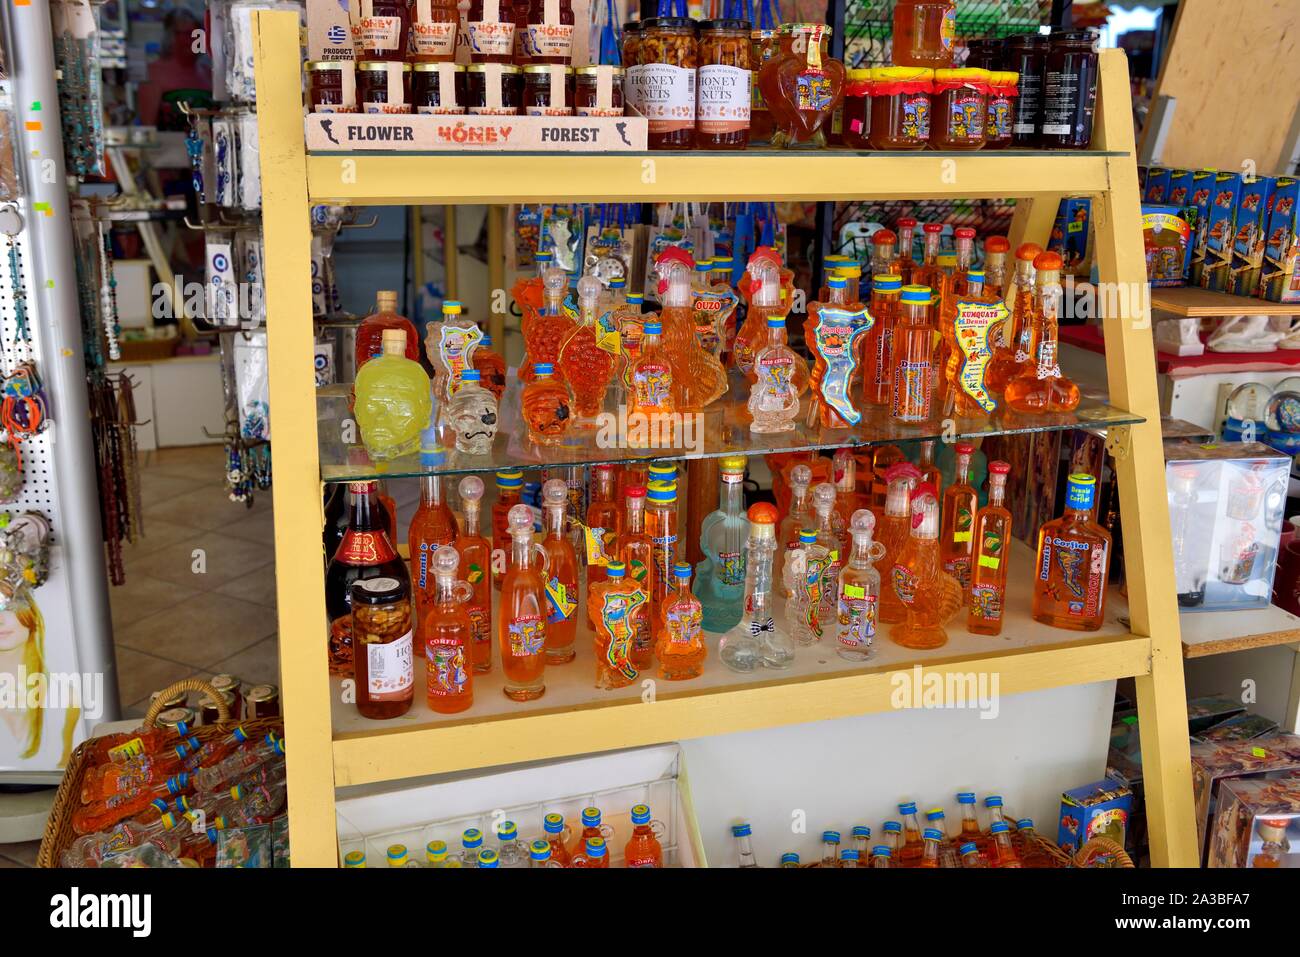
pixel 380 32
pixel 763 45
pixel 1002 98
pixel 490 25
pixel 548 36
pixel 598 91
pixel 384 87
pixel 332 86
pixel 960 109
pixel 434 24
pixel 856 119
pixel 724 83
pixel 900 107
pixel 263 701
pixel 494 89
pixel 662 84
pixel 438 88
pixel 548 90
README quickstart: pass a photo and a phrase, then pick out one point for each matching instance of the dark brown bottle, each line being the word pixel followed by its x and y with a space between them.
pixel 336 517
pixel 1026 55
pixel 365 551
pixel 1069 91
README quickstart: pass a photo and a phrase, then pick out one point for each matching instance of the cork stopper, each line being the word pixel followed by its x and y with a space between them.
pixel 394 342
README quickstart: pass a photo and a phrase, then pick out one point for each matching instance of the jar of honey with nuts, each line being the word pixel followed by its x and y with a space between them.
pixel 662 84
pixel 723 85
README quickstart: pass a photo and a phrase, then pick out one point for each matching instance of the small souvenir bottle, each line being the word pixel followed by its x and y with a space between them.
pixel 547 406
pixel 774 396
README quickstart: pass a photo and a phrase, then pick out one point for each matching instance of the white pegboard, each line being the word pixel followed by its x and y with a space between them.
pixel 39 492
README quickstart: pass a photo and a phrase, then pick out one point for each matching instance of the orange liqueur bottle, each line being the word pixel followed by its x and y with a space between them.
pixel 476 565
pixel 432 525
pixel 1016 345
pixel 561 576
pixel 988 577
pixel 960 502
pixel 1073 562
pixel 521 619
pixel 447 637
pixel 877 348
pixel 901 478
pixel 509 486
pixel 916 577
pixel 1040 386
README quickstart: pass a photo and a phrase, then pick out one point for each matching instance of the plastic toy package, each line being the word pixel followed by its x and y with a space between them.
pixel 1226 505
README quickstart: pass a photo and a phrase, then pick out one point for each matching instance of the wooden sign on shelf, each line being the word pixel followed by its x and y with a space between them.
pixel 425 132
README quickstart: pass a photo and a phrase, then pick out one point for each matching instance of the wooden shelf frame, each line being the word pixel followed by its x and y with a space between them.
pixel 318 760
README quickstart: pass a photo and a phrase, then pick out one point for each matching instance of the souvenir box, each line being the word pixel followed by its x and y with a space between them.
pixel 1209 710
pixel 1248 242
pixel 1220 232
pixel 1167 242
pixel 1226 506
pixel 1257 823
pixel 1280 276
pixel 1157 187
pixel 1197 212
pixel 1071 235
pixel 1215 762
pixel 1100 809
pixel 1241 727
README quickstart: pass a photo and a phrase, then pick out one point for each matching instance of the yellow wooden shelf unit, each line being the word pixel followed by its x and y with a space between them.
pixel 1206 303
pixel 322 756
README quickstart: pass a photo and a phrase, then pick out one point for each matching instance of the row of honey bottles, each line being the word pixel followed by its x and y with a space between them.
pixel 939 550
pixel 557 847
pixel 929 341
pixel 906 843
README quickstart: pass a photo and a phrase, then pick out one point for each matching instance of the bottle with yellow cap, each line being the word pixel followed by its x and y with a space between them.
pixel 961 102
pixel 661 524
pixel 510 486
pixel 398 856
pixel 720 578
pixel 354 859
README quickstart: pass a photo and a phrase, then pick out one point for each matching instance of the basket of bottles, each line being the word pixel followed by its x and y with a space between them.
pixel 630 809
pixel 161 794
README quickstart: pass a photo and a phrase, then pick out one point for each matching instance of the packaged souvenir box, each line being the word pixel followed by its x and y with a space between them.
pixel 1214 763
pixel 1100 809
pixel 1226 504
pixel 1257 823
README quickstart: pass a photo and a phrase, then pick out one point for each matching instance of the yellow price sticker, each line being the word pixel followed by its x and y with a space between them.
pixel 989 561
pixel 855 591
pixel 1259 752
pixel 961 536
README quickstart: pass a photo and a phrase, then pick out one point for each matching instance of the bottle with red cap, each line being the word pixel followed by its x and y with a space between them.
pixel 1040 386
pixel 930 272
pixel 916 577
pixel 756 643
pixel 884 252
pixel 904 264
pixel 1010 356
pixel 988 572
pixel 960 503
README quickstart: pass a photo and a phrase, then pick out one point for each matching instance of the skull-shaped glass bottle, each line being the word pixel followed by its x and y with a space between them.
pixel 393 401
pixel 472 415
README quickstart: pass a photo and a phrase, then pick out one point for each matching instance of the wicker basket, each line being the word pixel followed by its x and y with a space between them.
pixel 59 834
pixel 1102 852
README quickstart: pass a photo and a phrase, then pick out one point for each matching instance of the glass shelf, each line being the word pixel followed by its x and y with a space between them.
pixel 718 431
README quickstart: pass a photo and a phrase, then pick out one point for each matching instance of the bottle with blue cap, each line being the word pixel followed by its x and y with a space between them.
pixel 557 834
pixel 650 388
pixel 931 839
pixel 882 856
pixel 354 859
pixel 643 848
pixel 804 576
pixel 547 406
pixel 680 649
pixel 877 350
pixel 436 855
pixel 835 330
pixel 913 845
pixel 830 849
pixel 629 325
pixel 851 858
pixel 546 323
pixel 970 855
pixel 399 857
pixel 862 843
pixel 661 525
pixel 774 394
pixel 594 853
pixel 617 606
pixel 1073 563
pixel 937 819
pixel 591 828
pixel 491 367
pixel 471 415
pixel 510 849
pixel 471 842
pixel 539 855
pixel 970 825
pixel 912 371
pixel 743 833
pixel 790 859
pixel 1001 851
pixel 714 305
pixel 488 858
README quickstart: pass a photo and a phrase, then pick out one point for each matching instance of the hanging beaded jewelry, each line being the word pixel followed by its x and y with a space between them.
pixel 108 293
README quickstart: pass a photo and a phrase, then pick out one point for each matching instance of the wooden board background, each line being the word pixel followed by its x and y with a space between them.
pixel 1234 69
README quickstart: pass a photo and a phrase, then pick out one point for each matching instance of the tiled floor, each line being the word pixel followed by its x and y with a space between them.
pixel 199 597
